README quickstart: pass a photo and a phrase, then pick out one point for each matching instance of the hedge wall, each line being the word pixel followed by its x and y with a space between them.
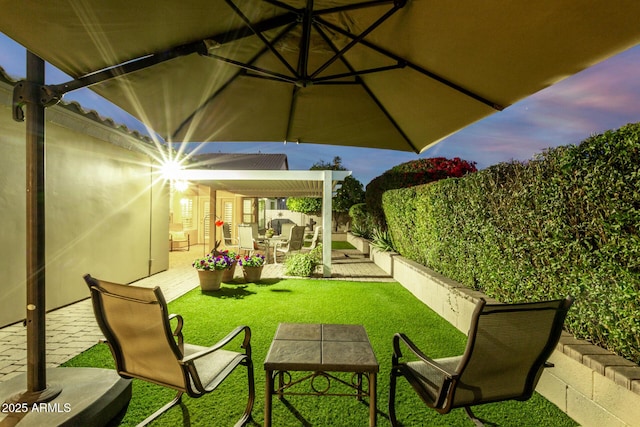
pixel 566 223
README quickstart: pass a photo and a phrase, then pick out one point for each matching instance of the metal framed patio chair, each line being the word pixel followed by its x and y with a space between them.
pixel 229 242
pixel 138 330
pixel 315 239
pixel 293 243
pixel 507 349
pixel 246 242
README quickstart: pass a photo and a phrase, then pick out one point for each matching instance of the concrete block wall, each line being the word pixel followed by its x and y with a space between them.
pixel 361 245
pixel 592 385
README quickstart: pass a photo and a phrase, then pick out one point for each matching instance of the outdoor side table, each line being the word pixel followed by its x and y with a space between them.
pixel 320 349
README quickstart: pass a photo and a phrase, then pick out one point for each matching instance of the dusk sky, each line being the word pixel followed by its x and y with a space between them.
pixel 605 96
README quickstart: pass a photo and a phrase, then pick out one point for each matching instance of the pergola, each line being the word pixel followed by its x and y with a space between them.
pixel 277 183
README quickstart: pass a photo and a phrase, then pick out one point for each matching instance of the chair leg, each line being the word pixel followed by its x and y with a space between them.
pixel 162 410
pixel 246 416
pixel 473 417
pixel 392 399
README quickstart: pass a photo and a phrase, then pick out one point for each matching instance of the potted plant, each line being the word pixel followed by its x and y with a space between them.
pixel 210 270
pixel 252 267
pixel 227 274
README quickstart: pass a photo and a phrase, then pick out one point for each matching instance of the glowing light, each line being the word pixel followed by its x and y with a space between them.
pixel 170 169
pixel 181 186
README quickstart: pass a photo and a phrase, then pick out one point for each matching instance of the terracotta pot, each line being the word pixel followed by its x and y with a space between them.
pixel 252 274
pixel 227 275
pixel 210 279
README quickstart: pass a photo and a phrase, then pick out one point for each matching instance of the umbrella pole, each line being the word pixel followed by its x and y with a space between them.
pixel 37 388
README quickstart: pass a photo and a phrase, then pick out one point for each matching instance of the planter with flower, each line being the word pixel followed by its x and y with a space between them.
pixel 228 274
pixel 210 270
pixel 252 267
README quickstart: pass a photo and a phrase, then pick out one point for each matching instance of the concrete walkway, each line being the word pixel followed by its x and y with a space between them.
pixel 71 330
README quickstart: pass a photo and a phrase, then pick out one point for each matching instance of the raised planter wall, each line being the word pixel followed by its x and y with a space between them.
pixel 359 243
pixel 592 385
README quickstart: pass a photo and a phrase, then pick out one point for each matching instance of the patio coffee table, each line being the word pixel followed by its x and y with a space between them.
pixel 320 349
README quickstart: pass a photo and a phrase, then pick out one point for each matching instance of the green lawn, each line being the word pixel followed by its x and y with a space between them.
pixel 383 308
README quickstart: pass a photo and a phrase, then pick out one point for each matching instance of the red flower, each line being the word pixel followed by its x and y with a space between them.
pixel 219 223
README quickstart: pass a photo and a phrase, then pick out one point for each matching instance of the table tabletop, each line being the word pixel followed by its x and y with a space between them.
pixel 321 347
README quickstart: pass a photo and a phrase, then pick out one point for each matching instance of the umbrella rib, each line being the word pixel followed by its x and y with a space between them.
pixel 358 39
pixel 292 111
pixel 215 95
pixel 127 67
pixel 283 6
pixel 267 43
pixel 327 79
pixel 305 40
pixel 355 6
pixel 262 26
pixel 494 105
pixel 370 93
pixel 232 79
pixel 388 115
pixel 272 74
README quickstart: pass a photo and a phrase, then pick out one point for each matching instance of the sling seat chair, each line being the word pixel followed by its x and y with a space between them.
pixel 293 243
pixel 507 348
pixel 138 330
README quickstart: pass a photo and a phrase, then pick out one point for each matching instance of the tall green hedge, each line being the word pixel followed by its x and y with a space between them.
pixel 566 223
pixel 409 174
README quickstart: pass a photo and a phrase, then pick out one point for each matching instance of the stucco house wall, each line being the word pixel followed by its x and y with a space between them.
pixel 106 207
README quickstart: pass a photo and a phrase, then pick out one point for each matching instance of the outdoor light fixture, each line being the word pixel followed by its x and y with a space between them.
pixel 170 169
pixel 181 185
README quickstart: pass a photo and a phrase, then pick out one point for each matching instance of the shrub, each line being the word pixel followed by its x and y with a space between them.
pixel 381 240
pixel 565 223
pixel 303 264
pixel 361 221
pixel 409 174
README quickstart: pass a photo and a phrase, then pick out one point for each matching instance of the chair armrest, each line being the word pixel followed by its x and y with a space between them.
pixel 177 332
pixel 449 378
pixel 280 242
pixel 224 341
pixel 397 354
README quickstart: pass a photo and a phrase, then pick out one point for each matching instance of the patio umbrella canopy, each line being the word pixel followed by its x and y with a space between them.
pixel 397 75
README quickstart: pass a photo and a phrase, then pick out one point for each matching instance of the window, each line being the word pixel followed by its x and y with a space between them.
pixel 248 211
pixel 186 211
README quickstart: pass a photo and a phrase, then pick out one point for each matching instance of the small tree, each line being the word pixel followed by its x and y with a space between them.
pixel 305 205
pixel 351 193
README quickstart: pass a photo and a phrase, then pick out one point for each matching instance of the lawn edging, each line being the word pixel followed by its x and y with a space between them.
pixel 592 385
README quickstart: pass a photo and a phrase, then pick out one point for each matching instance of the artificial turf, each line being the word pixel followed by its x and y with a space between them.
pixel 383 309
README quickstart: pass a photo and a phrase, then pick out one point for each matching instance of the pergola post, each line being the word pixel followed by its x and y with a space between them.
pixel 327 207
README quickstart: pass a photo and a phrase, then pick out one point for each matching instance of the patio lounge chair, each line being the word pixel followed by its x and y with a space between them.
pixel 293 243
pixel 138 330
pixel 507 349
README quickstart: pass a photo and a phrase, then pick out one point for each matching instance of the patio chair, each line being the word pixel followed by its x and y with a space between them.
pixel 285 228
pixel 255 232
pixel 229 242
pixel 177 238
pixel 138 330
pixel 313 242
pixel 246 242
pixel 293 243
pixel 507 349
